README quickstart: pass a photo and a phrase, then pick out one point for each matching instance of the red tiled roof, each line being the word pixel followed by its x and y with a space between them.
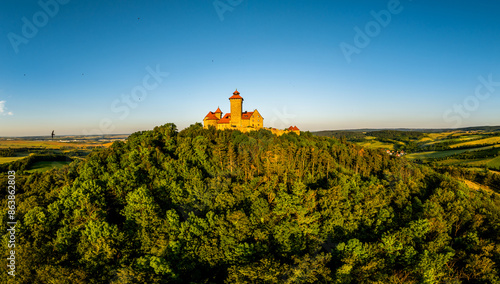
pixel 290 128
pixel 246 114
pixel 225 119
pixel 218 110
pixel 236 95
pixel 211 116
pixel 296 128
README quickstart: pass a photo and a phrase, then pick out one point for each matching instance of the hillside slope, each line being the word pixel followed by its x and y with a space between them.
pixel 208 206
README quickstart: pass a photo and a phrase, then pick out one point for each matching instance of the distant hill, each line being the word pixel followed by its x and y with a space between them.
pixel 330 133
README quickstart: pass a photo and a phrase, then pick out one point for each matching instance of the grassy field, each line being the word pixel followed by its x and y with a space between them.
pixel 491 162
pixel 439 154
pixel 372 142
pixel 18 156
pixel 477 186
pixel 45 166
pixel 9 159
pixel 490 140
pixel 494 162
pixel 480 163
pixel 441 135
pixel 376 144
pixel 456 138
pixel 425 139
pixel 445 153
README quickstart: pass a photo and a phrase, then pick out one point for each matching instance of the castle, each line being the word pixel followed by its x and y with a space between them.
pixel 240 120
pixel 236 119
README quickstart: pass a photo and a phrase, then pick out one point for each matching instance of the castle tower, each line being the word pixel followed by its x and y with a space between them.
pixel 236 108
pixel 218 113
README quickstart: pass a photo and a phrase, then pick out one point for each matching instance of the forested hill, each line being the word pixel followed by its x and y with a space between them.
pixel 207 206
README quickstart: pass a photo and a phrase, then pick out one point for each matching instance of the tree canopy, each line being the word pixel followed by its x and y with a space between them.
pixel 208 206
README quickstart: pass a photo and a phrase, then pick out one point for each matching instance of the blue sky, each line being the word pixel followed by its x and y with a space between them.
pixel 85 67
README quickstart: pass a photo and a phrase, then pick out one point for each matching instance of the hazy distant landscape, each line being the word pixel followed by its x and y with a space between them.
pixel 470 147
pixel 41 153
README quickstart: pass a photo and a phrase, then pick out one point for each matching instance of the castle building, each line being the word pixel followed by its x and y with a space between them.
pixel 241 120
pixel 236 119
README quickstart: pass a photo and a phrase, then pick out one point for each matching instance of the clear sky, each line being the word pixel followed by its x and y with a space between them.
pixel 82 67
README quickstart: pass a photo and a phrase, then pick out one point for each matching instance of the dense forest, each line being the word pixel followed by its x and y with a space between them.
pixel 208 206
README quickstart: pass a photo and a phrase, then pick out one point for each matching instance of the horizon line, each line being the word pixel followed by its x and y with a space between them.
pixel 344 129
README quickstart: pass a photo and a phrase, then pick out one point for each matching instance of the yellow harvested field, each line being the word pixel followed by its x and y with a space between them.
pixel 441 135
pixel 490 140
pixel 376 144
pixel 477 186
pixel 46 144
pixel 425 139
pixel 457 138
pixel 9 159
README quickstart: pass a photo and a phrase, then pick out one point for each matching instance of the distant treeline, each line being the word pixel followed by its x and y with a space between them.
pixel 447 146
pixel 7 152
pixel 13 152
pixel 479 154
pixel 382 135
pixel 403 136
pixel 481 128
pixel 351 136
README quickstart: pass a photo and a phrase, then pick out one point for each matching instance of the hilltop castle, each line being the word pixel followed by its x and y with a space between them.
pixel 236 119
pixel 240 120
